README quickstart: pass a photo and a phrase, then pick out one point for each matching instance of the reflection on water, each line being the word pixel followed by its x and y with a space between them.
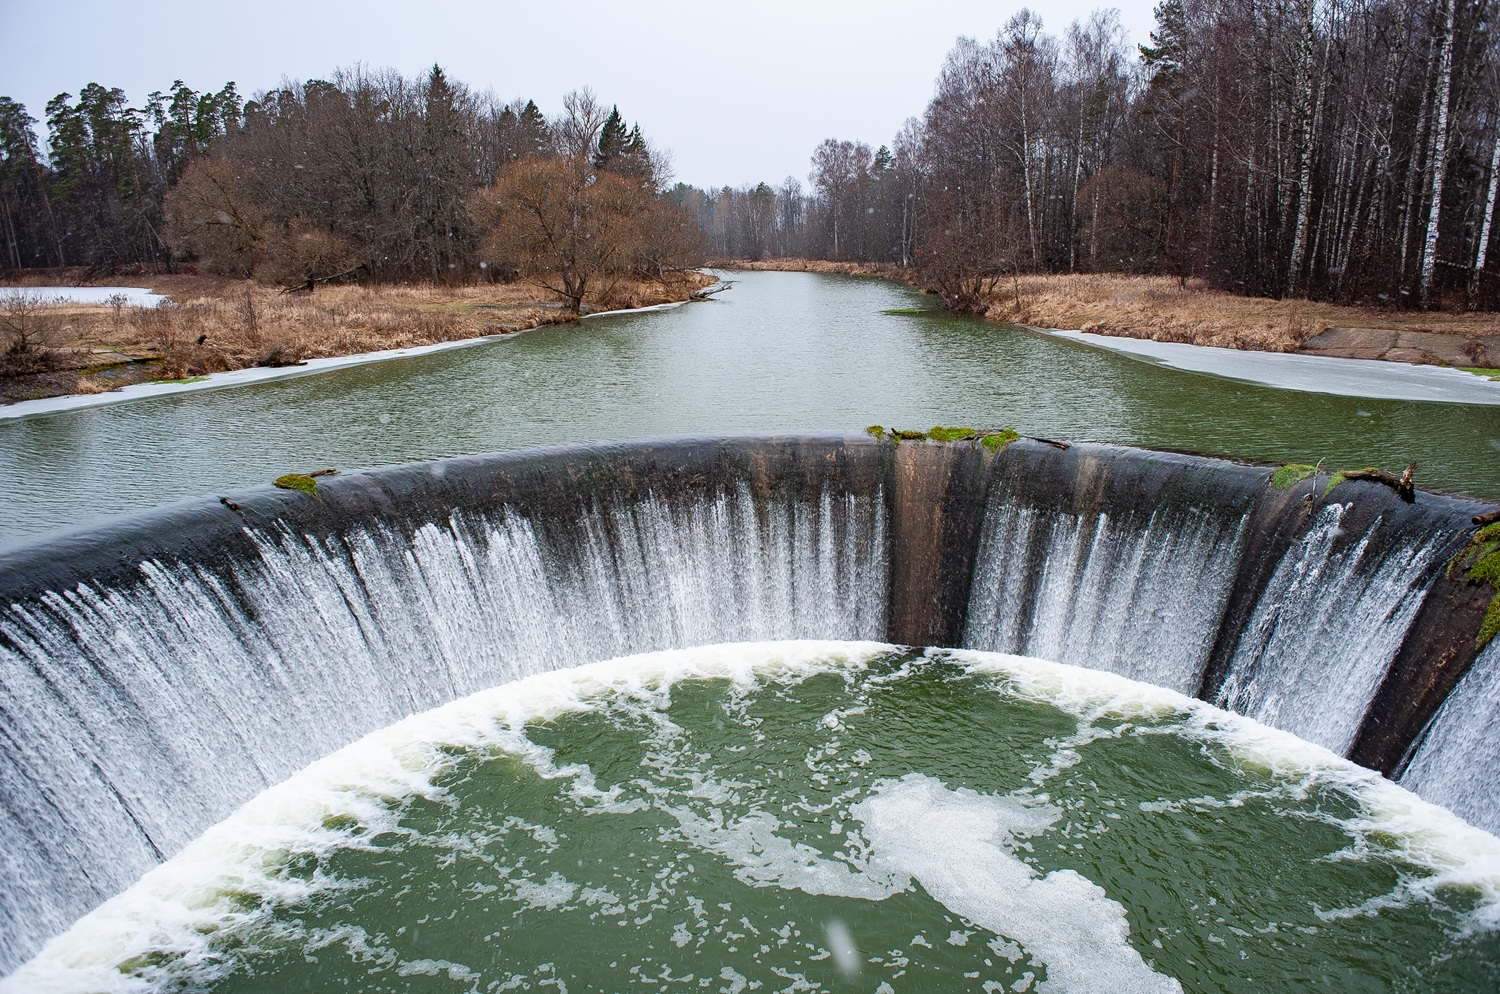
pixel 780 352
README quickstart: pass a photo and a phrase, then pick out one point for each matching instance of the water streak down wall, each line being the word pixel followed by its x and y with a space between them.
pixel 157 673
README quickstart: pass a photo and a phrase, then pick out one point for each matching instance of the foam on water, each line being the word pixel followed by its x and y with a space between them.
pixel 958 844
pixel 138 715
pixel 178 905
pixel 1392 819
pixel 910 829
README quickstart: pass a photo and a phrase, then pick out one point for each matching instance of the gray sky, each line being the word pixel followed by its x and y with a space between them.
pixel 737 93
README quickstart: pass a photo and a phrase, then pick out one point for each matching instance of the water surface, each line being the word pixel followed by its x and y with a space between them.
pixel 814 816
pixel 780 352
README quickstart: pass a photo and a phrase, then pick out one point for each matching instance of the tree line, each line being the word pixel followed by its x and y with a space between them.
pixel 96 196
pixel 1341 149
pixel 365 175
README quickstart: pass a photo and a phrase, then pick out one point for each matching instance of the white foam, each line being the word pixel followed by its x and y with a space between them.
pixel 1391 819
pixel 915 828
pixel 177 906
pixel 957 845
pixel 761 858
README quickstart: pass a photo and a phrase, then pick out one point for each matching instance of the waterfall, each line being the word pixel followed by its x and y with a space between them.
pixel 1325 629
pixel 1141 598
pixel 1141 582
pixel 134 718
pixel 158 673
pixel 1464 727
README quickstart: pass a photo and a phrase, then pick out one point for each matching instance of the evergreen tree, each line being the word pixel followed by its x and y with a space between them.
pixel 443 180
pixel 532 134
pixel 26 225
pixel 1163 58
pixel 613 139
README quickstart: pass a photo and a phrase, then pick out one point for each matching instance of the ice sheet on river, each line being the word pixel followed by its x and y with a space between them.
pixel 1311 374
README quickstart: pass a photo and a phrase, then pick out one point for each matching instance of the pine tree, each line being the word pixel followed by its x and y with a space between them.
pixel 613 140
pixel 1163 58
pixel 532 135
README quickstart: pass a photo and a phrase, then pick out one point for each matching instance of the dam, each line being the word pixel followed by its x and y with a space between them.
pixel 160 672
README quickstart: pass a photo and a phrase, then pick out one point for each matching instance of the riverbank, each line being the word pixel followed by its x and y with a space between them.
pixel 212 325
pixel 1164 309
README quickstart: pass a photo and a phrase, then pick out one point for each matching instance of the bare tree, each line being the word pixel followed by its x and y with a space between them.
pixel 572 230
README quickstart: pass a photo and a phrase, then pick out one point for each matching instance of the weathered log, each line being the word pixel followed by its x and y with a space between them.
pixel 306 286
pixel 707 292
pixel 1401 484
pixel 1487 519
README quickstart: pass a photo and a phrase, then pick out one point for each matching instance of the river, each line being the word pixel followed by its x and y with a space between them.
pixel 779 352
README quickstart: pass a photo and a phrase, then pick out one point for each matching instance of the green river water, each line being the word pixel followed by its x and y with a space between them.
pixel 814 817
pixel 780 352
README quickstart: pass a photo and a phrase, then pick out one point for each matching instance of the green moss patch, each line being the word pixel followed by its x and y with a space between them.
pixel 910 310
pixel 996 441
pixel 1490 627
pixel 186 379
pixel 1290 474
pixel 1342 477
pixel 993 439
pixel 1487 373
pixel 1480 561
pixel 297 481
pixel 941 434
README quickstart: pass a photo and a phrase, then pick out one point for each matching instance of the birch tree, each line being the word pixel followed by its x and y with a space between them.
pixel 1439 157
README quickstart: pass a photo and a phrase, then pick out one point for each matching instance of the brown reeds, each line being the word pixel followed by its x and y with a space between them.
pixel 1166 309
pixel 211 324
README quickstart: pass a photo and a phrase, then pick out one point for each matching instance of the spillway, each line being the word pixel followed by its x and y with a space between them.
pixel 156 674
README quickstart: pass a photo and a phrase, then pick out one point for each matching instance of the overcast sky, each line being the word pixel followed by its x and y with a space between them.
pixel 738 93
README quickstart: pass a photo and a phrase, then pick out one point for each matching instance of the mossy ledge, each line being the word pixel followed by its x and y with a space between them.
pixel 297 481
pixel 993 439
pixel 1288 475
pixel 1480 561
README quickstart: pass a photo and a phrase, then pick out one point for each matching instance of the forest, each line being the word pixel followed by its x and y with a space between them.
pixel 1340 150
pixel 1344 150
pixel 366 177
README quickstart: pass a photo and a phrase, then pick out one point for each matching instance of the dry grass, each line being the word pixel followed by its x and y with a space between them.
pixel 213 324
pixel 1164 309
pixel 889 270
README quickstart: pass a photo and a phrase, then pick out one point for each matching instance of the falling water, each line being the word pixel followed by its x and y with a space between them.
pixel 1141 598
pixel 133 719
pixel 1464 726
pixel 1324 631
pixel 139 708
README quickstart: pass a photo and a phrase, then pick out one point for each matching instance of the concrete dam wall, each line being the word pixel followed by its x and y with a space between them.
pixel 157 673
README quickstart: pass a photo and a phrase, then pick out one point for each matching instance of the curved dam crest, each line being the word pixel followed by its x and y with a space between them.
pixel 156 674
